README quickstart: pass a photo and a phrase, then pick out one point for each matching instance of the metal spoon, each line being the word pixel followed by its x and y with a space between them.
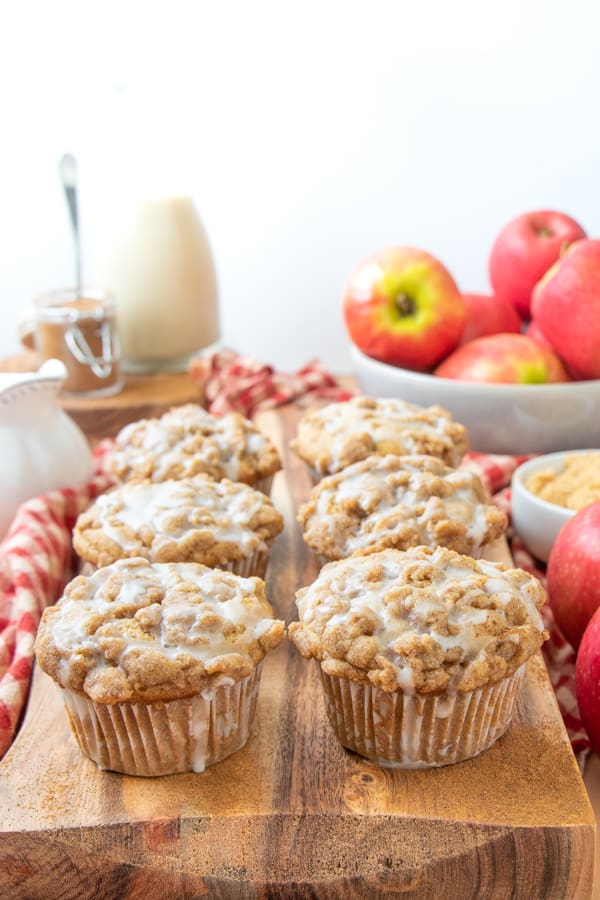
pixel 68 175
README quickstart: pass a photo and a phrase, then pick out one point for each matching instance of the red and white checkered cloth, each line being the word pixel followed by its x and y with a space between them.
pixel 36 556
pixel 35 563
pixel 232 383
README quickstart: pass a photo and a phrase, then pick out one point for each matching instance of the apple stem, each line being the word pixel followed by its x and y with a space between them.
pixel 405 304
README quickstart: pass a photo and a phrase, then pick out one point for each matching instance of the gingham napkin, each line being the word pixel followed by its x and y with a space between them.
pixel 232 383
pixel 36 555
pixel 35 562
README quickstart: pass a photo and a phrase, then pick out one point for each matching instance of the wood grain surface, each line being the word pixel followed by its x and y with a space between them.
pixel 293 814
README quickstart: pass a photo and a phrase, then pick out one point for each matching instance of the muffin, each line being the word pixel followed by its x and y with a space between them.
pixel 223 524
pixel 401 502
pixel 158 663
pixel 187 440
pixel 332 437
pixel 421 652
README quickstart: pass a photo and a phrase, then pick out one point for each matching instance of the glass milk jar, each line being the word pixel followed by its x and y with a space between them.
pixel 159 264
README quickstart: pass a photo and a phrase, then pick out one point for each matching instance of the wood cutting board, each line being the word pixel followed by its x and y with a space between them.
pixel 293 814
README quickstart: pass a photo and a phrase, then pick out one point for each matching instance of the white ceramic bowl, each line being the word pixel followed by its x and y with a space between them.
pixel 536 521
pixel 500 418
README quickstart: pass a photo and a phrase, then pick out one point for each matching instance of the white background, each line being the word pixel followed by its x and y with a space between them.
pixel 308 134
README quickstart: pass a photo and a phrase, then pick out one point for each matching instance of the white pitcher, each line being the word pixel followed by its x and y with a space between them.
pixel 41 447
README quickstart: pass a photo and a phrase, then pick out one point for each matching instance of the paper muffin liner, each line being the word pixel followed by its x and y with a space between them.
pixel 322 560
pixel 254 564
pixel 419 731
pixel 264 485
pixel 315 475
pixel 167 737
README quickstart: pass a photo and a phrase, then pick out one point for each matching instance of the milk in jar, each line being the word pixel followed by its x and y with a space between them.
pixel 160 266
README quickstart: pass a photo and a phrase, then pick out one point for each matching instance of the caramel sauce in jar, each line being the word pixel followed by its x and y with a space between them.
pixel 80 329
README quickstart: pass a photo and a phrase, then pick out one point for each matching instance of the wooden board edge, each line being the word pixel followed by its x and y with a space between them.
pixel 175 859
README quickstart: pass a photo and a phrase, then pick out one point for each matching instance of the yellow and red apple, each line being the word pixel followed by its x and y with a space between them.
pixel 525 249
pixel 566 307
pixel 488 314
pixel 402 307
pixel 503 358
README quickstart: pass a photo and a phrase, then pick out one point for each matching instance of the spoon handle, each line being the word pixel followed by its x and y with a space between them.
pixel 68 174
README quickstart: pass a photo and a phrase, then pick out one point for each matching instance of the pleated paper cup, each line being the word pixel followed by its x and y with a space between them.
pixel 255 564
pixel 167 737
pixel 264 484
pixel 418 731
pixel 315 475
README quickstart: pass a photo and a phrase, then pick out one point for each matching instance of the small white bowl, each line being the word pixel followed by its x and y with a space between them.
pixel 500 418
pixel 536 521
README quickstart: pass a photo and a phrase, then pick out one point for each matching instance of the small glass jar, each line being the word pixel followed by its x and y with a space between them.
pixel 78 327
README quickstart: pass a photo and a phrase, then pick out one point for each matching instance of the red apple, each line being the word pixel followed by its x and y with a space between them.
pixel 573 573
pixel 524 251
pixel 587 679
pixel 536 334
pixel 487 314
pixel 504 358
pixel 566 307
pixel 533 331
pixel 402 306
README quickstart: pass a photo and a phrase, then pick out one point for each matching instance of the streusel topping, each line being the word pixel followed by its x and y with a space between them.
pixel 336 435
pixel 141 632
pixel 188 520
pixel 399 501
pixel 420 620
pixel 574 486
pixel 187 440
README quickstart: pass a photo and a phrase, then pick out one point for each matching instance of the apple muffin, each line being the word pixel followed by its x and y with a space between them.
pixel 158 663
pixel 188 440
pixel 224 524
pixel 401 502
pixel 421 652
pixel 332 437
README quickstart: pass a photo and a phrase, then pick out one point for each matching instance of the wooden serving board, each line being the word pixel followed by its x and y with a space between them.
pixel 293 814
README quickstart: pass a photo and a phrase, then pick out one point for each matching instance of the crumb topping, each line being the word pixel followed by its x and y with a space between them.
pixel 399 501
pixel 574 486
pixel 336 435
pixel 141 632
pixel 188 520
pixel 421 621
pixel 187 440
